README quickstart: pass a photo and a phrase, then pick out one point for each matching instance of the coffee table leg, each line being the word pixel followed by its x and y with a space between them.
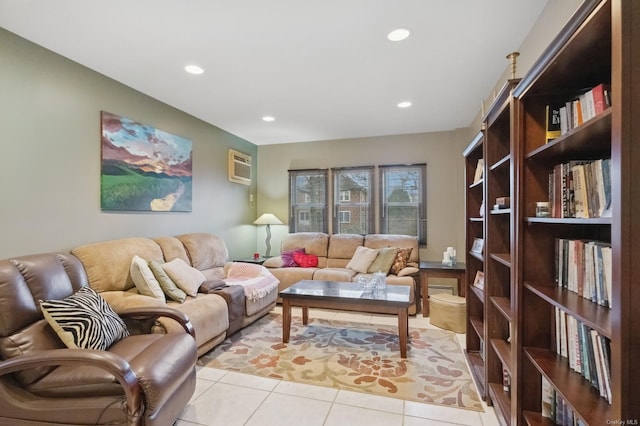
pixel 305 315
pixel 286 320
pixel 403 330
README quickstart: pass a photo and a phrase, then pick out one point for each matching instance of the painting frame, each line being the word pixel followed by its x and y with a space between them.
pixel 143 168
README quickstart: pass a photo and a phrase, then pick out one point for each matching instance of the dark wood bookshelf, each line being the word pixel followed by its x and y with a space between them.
pixel 598 44
pixel 475 307
pixel 514 317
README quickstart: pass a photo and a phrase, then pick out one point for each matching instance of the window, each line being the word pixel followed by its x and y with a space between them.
pixel 403 208
pixel 308 201
pixel 353 203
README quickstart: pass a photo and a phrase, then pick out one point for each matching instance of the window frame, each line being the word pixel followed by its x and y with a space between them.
pixel 320 206
pixel 354 205
pixel 421 204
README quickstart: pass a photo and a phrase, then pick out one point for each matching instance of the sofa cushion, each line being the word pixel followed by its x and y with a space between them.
pixel 313 242
pixel 334 274
pixel 273 262
pixel 84 320
pixel 400 262
pixel 362 259
pixel 144 279
pixel 343 246
pixel 107 263
pixel 384 260
pixel 167 285
pixel 186 277
pixel 208 314
pixel 394 240
pixel 206 251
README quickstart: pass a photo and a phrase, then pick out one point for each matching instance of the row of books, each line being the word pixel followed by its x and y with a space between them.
pixel 587 351
pixel 584 267
pixel 554 407
pixel 581 189
pixel 562 117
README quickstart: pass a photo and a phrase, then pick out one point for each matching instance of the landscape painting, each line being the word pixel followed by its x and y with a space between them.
pixel 143 168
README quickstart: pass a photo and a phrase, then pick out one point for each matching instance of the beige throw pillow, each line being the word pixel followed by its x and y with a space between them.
pixel 383 262
pixel 362 259
pixel 144 280
pixel 186 277
pixel 168 286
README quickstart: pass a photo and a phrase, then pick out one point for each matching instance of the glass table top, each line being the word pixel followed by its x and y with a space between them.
pixel 347 290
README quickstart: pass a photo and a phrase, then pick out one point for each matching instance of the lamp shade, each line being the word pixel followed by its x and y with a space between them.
pixel 267 219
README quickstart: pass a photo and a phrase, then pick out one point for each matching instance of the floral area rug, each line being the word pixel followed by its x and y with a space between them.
pixel 352 356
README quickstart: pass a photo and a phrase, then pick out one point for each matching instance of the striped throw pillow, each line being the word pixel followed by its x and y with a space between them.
pixel 84 320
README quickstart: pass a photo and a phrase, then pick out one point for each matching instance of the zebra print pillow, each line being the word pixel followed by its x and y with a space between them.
pixel 84 320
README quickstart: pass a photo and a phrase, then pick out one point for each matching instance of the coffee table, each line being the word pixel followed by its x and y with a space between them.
pixel 395 299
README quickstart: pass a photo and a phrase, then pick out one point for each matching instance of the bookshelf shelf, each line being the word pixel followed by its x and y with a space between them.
pixel 593 315
pixel 503 162
pixel 503 258
pixel 503 305
pixel 583 399
pixel 569 221
pixel 503 350
pixel 502 401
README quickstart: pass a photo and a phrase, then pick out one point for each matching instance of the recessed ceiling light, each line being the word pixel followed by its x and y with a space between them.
pixel 193 69
pixel 268 118
pixel 404 104
pixel 399 34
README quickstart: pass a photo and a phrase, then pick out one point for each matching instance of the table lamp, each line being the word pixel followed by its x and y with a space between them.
pixel 268 219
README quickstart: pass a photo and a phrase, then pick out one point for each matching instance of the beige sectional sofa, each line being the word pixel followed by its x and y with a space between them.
pixel 108 263
pixel 334 253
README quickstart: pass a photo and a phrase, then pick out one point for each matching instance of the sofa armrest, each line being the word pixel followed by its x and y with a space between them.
pixel 104 360
pixel 148 315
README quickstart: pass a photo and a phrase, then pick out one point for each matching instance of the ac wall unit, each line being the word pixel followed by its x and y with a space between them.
pixel 239 167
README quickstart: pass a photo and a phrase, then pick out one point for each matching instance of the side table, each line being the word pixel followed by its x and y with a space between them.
pixel 258 261
pixel 438 270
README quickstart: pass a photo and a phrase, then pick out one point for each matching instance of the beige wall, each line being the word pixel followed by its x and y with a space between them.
pixel 50 159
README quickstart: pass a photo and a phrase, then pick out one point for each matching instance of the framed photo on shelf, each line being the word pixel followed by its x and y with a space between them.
pixel 478 245
pixel 479 281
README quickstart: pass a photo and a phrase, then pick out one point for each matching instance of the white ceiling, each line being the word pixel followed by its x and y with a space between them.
pixel 324 69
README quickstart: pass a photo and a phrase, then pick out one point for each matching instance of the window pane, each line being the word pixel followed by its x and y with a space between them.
pixel 403 207
pixel 353 201
pixel 308 203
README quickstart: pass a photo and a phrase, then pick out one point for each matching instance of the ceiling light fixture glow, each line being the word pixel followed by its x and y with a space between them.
pixel 399 34
pixel 404 104
pixel 268 118
pixel 193 69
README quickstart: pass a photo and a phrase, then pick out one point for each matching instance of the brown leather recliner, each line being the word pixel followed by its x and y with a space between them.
pixel 144 379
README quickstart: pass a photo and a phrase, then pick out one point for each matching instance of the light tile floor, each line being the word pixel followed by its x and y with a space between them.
pixel 228 398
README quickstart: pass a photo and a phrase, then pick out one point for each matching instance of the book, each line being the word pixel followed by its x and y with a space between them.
pixel 600 100
pixel 580 191
pixel 547 398
pixel 552 122
pixel 577 113
pixel 479 171
pixel 606 178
